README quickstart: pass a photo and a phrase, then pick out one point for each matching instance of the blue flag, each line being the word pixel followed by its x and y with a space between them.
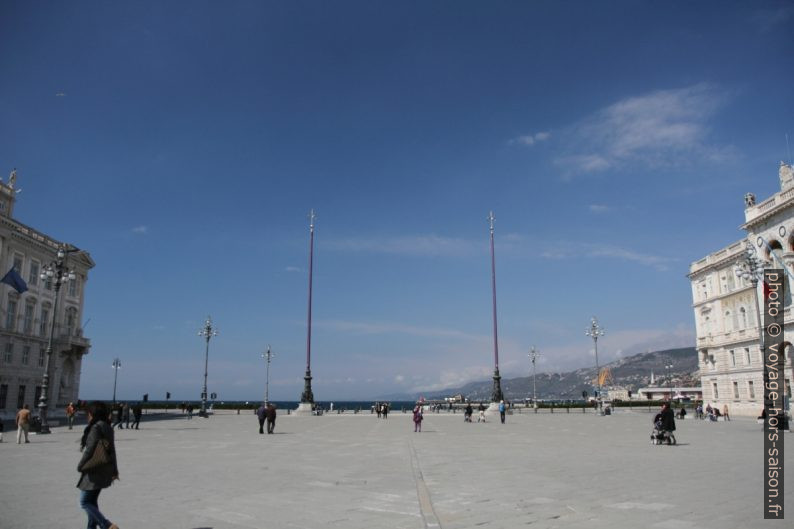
pixel 16 282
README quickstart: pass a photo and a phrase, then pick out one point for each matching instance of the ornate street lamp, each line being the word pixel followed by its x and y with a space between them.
pixel 267 355
pixel 207 332
pixel 749 267
pixel 534 355
pixel 496 394
pixel 594 332
pixel 116 365
pixel 55 271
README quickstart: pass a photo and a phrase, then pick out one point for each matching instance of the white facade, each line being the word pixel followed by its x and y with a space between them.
pixel 726 317
pixel 25 318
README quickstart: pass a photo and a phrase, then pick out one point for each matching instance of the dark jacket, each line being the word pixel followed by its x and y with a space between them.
pixel 261 412
pixel 668 420
pixel 270 413
pixel 99 477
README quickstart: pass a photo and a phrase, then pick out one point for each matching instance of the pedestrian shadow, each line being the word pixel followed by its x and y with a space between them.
pixel 181 429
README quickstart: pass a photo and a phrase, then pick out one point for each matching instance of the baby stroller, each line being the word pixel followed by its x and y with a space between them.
pixel 661 436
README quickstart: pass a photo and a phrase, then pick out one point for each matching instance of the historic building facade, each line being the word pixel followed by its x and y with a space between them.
pixel 726 318
pixel 25 318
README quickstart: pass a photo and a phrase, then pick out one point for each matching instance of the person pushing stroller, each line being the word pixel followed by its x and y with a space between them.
pixel 664 426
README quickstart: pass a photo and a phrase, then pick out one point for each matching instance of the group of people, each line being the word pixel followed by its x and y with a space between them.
pixel 121 416
pixel 266 413
pixel 469 411
pixel 711 413
pixel 382 409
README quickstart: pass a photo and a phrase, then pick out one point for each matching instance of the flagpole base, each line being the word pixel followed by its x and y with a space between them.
pixel 304 409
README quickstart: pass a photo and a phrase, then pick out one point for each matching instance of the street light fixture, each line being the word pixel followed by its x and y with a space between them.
pixel 594 332
pixel 116 365
pixel 55 271
pixel 267 355
pixel 207 332
pixel 533 355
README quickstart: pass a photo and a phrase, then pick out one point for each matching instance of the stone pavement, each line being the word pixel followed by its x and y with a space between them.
pixel 356 471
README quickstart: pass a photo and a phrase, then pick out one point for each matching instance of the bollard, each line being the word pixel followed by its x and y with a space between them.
pixel 568 409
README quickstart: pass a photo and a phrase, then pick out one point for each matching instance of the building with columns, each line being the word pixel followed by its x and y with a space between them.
pixel 726 318
pixel 25 318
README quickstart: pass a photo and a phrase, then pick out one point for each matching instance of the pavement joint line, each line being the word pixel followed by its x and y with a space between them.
pixel 429 517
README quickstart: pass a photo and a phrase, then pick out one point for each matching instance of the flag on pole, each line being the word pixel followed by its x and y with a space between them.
pixel 13 279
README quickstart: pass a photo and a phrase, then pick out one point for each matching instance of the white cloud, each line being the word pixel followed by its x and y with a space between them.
pixel 530 139
pixel 140 230
pixel 661 128
pixel 598 208
pixel 432 245
pixel 595 250
pixel 355 327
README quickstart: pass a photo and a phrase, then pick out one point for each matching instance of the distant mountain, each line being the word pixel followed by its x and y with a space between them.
pixel 632 372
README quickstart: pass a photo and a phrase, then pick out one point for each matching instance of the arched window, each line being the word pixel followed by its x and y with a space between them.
pixel 728 323
pixel 743 318
pixel 774 247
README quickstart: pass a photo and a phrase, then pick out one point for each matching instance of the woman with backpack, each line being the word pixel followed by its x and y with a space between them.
pixel 98 468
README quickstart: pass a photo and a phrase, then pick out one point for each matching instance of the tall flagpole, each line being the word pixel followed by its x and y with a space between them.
pixel 308 397
pixel 496 395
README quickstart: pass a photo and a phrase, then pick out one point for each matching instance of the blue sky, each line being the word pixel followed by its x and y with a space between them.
pixel 183 143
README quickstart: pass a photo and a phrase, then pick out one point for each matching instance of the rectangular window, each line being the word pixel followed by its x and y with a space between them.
pixel 41 357
pixel 751 389
pixel 3 396
pixel 716 391
pixel 43 326
pixel 735 390
pixel 11 315
pixel 788 388
pixel 731 284
pixel 747 355
pixel 18 263
pixel 25 355
pixel 33 276
pixel 733 358
pixel 21 397
pixel 28 322
pixel 8 353
pixel 73 287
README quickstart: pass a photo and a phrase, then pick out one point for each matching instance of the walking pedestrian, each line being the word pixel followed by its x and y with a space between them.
pixel 725 413
pixel 385 410
pixel 418 419
pixel 116 417
pixel 126 415
pixel 502 410
pixel 70 412
pixel 260 414
pixel 94 479
pixel 137 411
pixel 378 409
pixel 23 423
pixel 481 416
pixel 468 413
pixel 270 414
pixel 189 411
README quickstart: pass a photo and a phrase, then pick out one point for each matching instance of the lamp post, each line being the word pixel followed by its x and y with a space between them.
pixel 116 365
pixel 267 355
pixel 749 267
pixel 594 332
pixel 533 355
pixel 55 271
pixel 496 394
pixel 669 368
pixel 207 332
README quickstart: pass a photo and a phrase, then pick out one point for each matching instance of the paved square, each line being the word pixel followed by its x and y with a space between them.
pixel 356 471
